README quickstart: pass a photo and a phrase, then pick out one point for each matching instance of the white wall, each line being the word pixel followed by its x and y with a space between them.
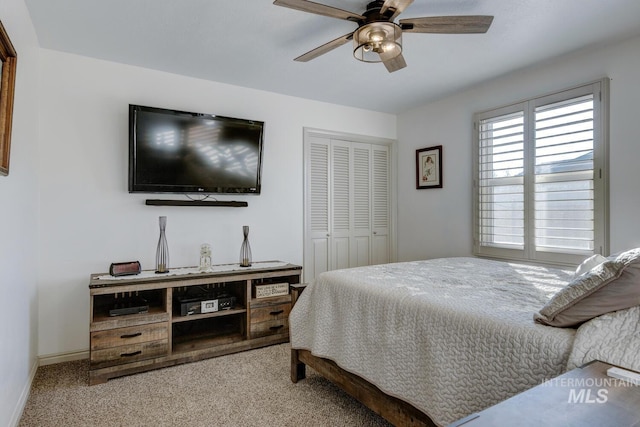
pixel 65 211
pixel 18 224
pixel 88 219
pixel 438 222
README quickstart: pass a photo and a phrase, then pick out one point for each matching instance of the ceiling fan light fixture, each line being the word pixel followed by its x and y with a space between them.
pixel 374 39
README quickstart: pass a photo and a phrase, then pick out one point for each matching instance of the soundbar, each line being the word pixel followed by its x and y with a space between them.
pixel 229 203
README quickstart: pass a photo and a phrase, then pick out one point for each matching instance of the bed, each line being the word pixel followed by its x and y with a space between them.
pixel 429 342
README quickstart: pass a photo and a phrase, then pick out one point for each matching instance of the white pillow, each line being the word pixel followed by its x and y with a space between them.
pixel 589 263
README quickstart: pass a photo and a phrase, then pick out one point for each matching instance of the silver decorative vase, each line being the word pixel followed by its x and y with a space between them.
pixel 245 249
pixel 162 252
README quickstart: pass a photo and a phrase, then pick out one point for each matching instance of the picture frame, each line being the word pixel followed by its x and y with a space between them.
pixel 429 167
pixel 8 62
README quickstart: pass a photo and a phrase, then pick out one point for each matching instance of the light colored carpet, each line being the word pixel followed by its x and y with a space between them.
pixel 251 388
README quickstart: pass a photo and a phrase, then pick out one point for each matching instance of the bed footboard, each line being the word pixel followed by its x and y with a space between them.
pixel 394 410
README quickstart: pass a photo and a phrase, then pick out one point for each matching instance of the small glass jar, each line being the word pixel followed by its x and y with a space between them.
pixel 205 257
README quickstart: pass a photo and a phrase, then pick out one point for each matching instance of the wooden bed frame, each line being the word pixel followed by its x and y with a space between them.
pixel 394 410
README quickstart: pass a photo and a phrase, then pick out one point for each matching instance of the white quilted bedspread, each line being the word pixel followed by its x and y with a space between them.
pixel 613 338
pixel 451 336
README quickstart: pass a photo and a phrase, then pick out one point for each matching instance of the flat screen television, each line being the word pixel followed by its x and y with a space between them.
pixel 180 152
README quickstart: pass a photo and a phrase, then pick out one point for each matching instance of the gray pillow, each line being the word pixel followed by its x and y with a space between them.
pixel 610 286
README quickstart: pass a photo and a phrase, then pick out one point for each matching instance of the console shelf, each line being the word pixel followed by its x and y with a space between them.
pixel 177 318
pixel 167 334
pixel 206 341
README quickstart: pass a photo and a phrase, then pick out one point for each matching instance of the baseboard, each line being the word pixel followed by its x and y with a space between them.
pixel 50 359
pixel 41 361
pixel 24 396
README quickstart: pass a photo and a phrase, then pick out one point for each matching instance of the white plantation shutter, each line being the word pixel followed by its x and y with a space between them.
pixel 564 190
pixel 540 177
pixel 501 181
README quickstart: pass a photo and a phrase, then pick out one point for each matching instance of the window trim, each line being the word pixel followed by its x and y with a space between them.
pixel 600 90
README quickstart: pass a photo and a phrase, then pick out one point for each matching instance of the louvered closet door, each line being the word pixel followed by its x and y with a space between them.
pixel 380 205
pixel 347 205
pixel 361 205
pixel 340 206
pixel 317 233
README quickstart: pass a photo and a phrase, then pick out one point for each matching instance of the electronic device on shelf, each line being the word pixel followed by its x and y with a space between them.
pixel 125 268
pixel 174 151
pixel 201 301
pixel 129 305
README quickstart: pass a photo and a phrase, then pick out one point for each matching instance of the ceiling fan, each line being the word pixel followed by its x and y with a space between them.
pixel 378 38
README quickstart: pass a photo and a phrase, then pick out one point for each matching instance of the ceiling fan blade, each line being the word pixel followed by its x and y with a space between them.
pixel 393 64
pixel 319 9
pixel 447 24
pixel 394 8
pixel 321 50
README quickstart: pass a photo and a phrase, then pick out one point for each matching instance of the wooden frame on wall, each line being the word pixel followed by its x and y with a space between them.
pixel 8 61
pixel 429 167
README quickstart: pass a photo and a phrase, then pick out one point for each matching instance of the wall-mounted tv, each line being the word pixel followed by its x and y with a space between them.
pixel 180 152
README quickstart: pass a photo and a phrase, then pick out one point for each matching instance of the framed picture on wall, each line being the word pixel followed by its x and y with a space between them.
pixel 429 167
pixel 8 59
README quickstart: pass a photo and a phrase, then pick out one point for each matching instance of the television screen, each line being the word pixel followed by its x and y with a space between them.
pixel 179 152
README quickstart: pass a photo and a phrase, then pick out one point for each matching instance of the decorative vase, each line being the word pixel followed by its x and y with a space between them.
pixel 162 252
pixel 245 249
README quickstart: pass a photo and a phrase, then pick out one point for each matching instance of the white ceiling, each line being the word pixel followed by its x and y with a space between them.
pixel 252 43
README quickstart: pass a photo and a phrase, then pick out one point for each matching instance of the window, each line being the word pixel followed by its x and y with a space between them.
pixel 540 186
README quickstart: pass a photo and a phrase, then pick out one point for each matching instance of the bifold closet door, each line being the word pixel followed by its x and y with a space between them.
pixel 380 205
pixel 346 204
pixel 317 229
